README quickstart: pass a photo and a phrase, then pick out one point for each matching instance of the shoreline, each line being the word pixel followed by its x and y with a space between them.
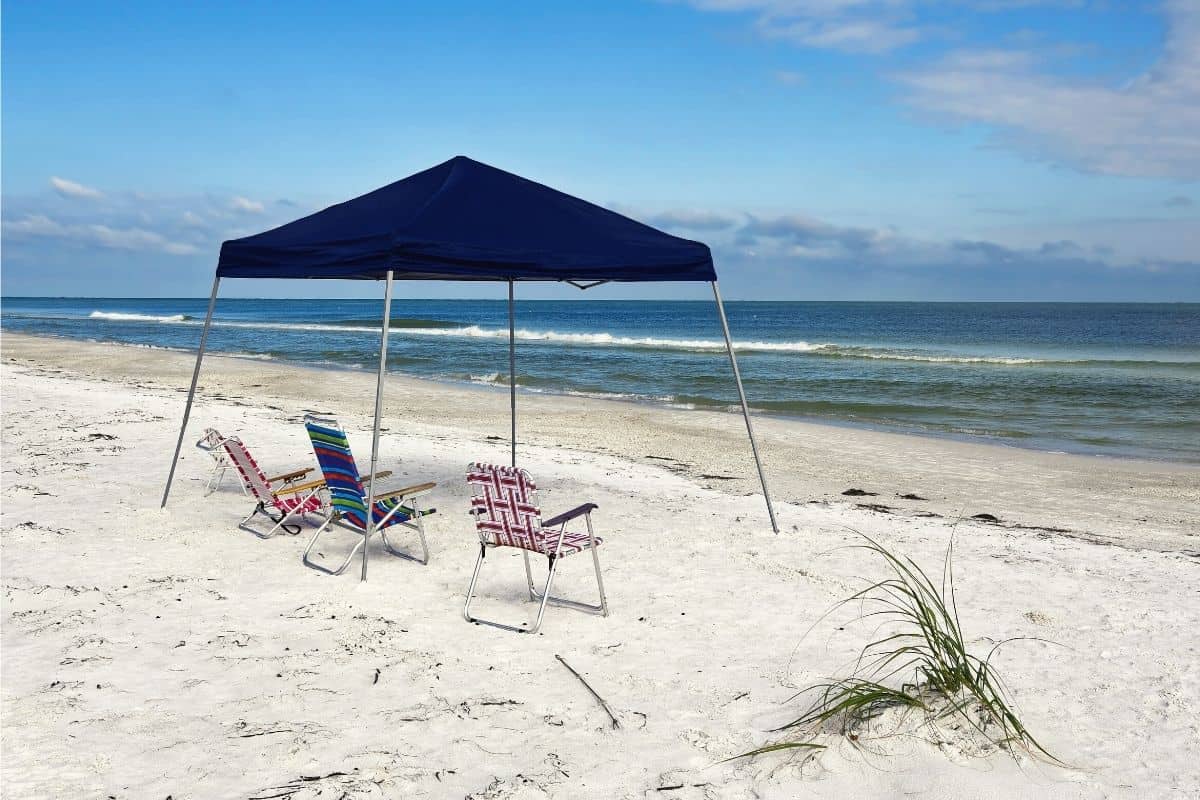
pixel 1058 448
pixel 1096 384
pixel 805 461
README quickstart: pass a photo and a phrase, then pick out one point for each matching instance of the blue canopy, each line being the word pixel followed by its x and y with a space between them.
pixel 467 221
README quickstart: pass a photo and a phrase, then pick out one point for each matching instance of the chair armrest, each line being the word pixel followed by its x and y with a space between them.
pixel 300 487
pixel 383 473
pixel 561 519
pixel 291 476
pixel 407 491
pixel 203 444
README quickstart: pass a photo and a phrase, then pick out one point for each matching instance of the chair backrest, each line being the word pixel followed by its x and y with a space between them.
pixel 332 449
pixel 504 502
pixel 252 475
pixel 210 443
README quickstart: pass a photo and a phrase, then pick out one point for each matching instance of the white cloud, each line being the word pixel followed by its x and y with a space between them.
pixel 850 26
pixel 40 226
pixel 693 220
pixel 33 225
pixel 849 36
pixel 68 188
pixel 1145 126
pixel 1146 245
pixel 246 205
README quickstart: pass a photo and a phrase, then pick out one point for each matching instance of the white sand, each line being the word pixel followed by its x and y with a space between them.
pixel 149 653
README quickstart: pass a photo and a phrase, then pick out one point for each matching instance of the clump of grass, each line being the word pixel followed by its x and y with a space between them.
pixel 920 664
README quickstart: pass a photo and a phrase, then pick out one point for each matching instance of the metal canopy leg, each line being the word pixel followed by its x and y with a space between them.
pixel 383 346
pixel 512 401
pixel 512 371
pixel 737 376
pixel 187 409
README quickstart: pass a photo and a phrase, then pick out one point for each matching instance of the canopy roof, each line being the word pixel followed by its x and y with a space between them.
pixel 467 221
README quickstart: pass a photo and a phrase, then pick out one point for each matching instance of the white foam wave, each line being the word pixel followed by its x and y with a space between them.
pixel 251 356
pixel 941 359
pixel 588 339
pixel 609 340
pixel 477 332
pixel 119 316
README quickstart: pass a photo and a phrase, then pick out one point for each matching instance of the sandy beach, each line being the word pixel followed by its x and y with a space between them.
pixel 151 653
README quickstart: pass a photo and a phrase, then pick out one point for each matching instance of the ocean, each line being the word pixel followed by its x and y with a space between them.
pixel 1119 379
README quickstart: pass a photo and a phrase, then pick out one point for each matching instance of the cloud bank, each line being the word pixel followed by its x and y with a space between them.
pixel 1032 99
pixel 761 256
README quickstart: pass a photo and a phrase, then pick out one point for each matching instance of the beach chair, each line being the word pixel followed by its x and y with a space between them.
pixel 348 497
pixel 504 504
pixel 278 498
pixel 210 443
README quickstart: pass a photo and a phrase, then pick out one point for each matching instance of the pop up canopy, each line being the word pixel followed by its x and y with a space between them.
pixel 466 221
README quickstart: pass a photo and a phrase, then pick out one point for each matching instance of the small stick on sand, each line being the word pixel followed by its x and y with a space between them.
pixel 588 686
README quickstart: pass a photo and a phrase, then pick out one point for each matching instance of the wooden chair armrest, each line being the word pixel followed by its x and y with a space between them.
pixel 383 473
pixel 553 522
pixel 291 476
pixel 300 487
pixel 407 491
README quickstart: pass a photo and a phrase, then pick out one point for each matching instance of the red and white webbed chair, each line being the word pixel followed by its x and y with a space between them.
pixel 279 498
pixel 504 504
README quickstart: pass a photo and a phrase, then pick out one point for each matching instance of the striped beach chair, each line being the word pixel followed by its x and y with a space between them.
pixel 348 497
pixel 279 498
pixel 505 506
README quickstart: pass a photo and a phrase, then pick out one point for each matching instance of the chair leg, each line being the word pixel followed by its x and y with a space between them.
pixel 279 524
pixel 312 542
pixel 596 563
pixel 545 595
pixel 517 629
pixel 474 580
pixel 533 595
pixel 245 526
pixel 602 607
pixel 419 526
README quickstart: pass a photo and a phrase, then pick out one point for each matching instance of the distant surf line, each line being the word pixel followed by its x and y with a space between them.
pixel 417 327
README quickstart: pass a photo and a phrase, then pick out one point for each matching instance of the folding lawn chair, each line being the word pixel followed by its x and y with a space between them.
pixel 278 498
pixel 504 503
pixel 210 443
pixel 348 497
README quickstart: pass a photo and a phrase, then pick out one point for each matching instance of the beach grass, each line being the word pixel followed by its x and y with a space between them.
pixel 920 664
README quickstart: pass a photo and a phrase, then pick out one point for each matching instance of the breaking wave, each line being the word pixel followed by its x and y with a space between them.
pixel 610 340
pixel 119 316
pixel 419 327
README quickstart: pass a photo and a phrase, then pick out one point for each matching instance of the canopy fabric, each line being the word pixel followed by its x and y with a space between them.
pixel 463 220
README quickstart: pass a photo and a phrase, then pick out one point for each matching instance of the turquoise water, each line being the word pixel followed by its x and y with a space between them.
pixel 1116 379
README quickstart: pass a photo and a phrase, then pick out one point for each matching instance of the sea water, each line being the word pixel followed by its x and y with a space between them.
pixel 1111 379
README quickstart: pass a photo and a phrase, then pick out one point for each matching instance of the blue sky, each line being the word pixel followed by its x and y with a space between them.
pixel 825 149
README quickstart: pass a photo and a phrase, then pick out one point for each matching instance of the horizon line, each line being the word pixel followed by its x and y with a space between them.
pixel 586 300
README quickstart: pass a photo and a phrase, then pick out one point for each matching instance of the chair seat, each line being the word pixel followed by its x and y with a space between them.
pixel 354 517
pixel 544 542
pixel 298 504
pixel 571 543
pixel 384 507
